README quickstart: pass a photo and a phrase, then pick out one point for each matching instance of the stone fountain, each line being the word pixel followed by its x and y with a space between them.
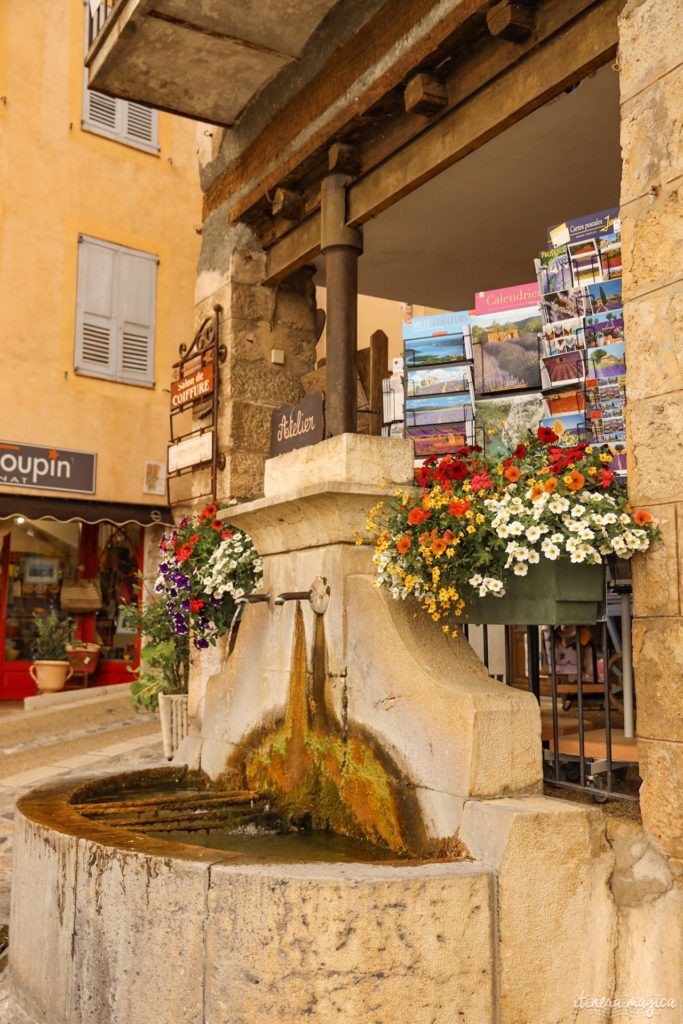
pixel 339 711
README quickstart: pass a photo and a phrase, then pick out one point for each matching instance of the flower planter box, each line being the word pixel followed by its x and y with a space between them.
pixel 559 593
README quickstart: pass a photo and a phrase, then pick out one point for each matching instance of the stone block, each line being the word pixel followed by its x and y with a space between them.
pixel 658 663
pixel 247 266
pixel 429 702
pixel 262 382
pixel 244 473
pixel 654 337
pixel 353 458
pixel 655 586
pixel 554 905
pixel 248 426
pixel 652 136
pixel 252 302
pixel 652 241
pixel 649 43
pixel 350 942
pixel 655 443
pixel 661 794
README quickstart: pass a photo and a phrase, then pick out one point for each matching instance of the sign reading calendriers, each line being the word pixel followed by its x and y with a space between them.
pixel 49 469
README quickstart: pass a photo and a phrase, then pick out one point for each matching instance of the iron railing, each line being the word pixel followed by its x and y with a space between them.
pixel 96 17
pixel 595 751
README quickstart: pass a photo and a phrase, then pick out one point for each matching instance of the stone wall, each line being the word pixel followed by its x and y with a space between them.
pixel 651 79
pixel 255 321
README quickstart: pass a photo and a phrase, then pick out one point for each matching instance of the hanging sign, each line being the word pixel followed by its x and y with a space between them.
pixel 194 388
pixel 190 451
pixel 50 469
pixel 296 426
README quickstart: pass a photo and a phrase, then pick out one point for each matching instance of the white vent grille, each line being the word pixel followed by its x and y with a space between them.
pixel 140 123
pixel 134 354
pixel 101 112
pixel 95 345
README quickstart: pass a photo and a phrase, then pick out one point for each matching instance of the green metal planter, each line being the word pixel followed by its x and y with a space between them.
pixel 558 593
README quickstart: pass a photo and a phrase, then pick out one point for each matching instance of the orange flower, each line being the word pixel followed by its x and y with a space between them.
pixel 184 553
pixel 512 473
pixel 217 525
pixel 536 492
pixel 209 512
pixel 458 507
pixel 417 515
pixel 403 544
pixel 642 517
pixel 574 480
pixel 550 484
pixel 448 536
pixel 545 469
pixel 438 546
pixel 424 537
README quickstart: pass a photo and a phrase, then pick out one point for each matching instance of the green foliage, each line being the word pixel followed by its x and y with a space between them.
pixel 52 634
pixel 164 657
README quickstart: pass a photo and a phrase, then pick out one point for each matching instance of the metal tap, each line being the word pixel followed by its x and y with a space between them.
pixel 252 598
pixel 293 595
pixel 318 595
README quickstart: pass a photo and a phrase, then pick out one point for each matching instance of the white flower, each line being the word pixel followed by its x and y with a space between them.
pixel 476 580
pixel 522 554
pixel 521 569
pixel 534 558
pixel 494 586
pixel 502 531
pixel 533 533
pixel 586 534
pixel 515 528
pixel 552 552
pixel 558 504
pixel 608 519
pixel 624 518
pixel 557 538
pixel 577 511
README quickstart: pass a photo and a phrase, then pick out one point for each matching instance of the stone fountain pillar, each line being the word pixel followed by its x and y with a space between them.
pixel 434 729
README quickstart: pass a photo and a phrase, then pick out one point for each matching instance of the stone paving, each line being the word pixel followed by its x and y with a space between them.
pixel 51 760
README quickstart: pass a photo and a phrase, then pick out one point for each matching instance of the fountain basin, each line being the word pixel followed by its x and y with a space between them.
pixel 141 928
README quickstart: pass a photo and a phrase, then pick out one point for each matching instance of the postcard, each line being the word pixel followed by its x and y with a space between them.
pixel 610 254
pixel 505 421
pixel 438 409
pixel 604 328
pixel 439 440
pixel 437 325
pixel 439 380
pixel 586 265
pixel 606 362
pixel 506 350
pixel 563 336
pixel 565 305
pixel 605 297
pixel 438 349
pixel 567 425
pixel 553 270
pixel 572 400
pixel 562 370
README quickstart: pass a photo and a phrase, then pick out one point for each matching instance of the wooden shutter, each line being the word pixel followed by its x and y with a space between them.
pixel 95 316
pixel 136 305
pixel 139 124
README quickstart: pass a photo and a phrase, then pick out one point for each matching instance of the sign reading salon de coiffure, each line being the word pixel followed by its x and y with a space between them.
pixel 50 469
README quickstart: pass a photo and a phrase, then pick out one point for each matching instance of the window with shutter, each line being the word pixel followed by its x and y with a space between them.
pixel 115 315
pixel 131 123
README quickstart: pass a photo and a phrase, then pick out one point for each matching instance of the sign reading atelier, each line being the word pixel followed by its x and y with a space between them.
pixel 296 426
pixel 50 469
pixel 193 388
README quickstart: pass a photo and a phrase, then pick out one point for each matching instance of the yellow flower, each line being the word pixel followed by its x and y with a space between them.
pixel 479 518
pixel 499 467
pixel 605 457
pixel 471 529
pixel 592 471
pixel 467 487
pixel 469 514
pixel 589 450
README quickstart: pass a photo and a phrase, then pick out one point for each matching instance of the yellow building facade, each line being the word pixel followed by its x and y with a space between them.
pixel 98 203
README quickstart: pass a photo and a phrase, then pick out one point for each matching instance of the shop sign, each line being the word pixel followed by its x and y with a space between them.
pixel 193 388
pixel 50 469
pixel 296 426
pixel 190 451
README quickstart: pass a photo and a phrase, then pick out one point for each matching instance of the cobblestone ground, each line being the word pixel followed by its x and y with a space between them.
pixel 98 738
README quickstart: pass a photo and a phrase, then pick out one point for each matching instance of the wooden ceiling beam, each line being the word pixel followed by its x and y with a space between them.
pixel 546 71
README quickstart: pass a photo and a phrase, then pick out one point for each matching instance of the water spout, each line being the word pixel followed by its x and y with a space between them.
pixel 293 595
pixel 239 607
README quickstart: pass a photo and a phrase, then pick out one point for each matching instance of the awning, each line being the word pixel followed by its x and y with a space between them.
pixel 67 510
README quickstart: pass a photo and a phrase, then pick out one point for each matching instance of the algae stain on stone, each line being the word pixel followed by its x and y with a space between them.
pixel 341 783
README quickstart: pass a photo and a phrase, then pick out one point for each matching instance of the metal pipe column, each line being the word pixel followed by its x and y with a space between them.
pixel 341 245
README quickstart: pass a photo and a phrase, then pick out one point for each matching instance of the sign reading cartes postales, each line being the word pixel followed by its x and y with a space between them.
pixel 296 426
pixel 193 388
pixel 49 469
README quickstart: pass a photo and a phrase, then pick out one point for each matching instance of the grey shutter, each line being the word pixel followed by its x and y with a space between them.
pixel 136 306
pixel 95 315
pixel 139 124
pixel 103 113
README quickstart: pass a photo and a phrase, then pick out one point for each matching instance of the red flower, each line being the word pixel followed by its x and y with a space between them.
pixel 417 516
pixel 520 451
pixel 163 543
pixel 216 525
pixel 196 604
pixel 423 476
pixel 546 435
pixel 458 508
pixel 209 512
pixel 193 539
pixel 482 482
pixel 606 477
pixel 450 469
pixel 227 534
pixel 184 553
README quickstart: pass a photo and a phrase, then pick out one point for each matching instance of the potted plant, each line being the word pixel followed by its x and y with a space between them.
pixel 50 669
pixel 519 540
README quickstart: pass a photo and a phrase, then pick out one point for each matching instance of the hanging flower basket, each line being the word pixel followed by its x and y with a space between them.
pixel 551 594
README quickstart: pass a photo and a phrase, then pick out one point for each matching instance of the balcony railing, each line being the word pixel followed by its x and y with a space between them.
pixel 97 15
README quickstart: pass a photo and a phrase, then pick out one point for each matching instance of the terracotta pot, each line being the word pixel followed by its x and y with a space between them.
pixel 50 676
